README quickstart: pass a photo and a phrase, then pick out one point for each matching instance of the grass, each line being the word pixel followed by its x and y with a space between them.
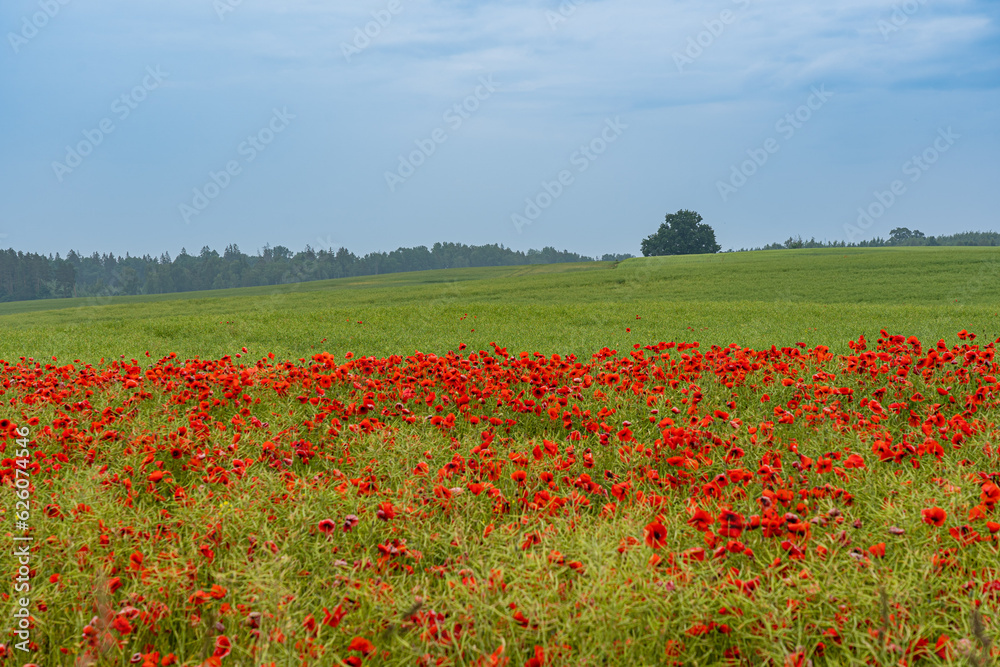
pixel 756 299
pixel 157 480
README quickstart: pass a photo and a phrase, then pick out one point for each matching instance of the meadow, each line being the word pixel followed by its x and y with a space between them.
pixel 782 458
pixel 757 299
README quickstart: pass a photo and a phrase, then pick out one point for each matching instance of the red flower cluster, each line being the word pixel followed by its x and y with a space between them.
pixel 722 454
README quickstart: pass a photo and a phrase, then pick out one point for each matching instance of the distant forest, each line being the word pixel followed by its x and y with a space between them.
pixel 901 236
pixel 26 276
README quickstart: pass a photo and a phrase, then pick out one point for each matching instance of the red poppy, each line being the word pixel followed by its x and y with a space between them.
pixel 361 644
pixel 854 461
pixel 310 624
pixel 332 619
pixel 538 659
pixel 694 553
pixel 386 511
pixel 941 647
pixel 797 659
pixel 934 516
pixel 990 494
pixel 701 520
pixel 122 625
pixel 223 647
pixel 655 534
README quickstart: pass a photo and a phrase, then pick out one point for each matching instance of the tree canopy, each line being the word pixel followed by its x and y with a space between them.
pixel 682 233
pixel 26 276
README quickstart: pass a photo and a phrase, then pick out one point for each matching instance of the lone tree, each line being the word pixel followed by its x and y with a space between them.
pixel 683 233
pixel 901 235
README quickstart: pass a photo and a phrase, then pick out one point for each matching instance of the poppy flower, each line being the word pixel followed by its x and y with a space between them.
pixel 694 553
pixel 934 516
pixel 701 520
pixel 386 511
pixel 122 625
pixel 798 659
pixel 655 534
pixel 854 461
pixel 223 647
pixel 310 624
pixel 332 619
pixel 990 494
pixel 362 645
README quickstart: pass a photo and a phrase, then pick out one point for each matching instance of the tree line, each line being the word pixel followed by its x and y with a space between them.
pixel 900 236
pixel 684 233
pixel 27 276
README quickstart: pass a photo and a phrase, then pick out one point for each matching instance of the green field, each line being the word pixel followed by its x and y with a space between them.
pixel 755 299
pixel 780 494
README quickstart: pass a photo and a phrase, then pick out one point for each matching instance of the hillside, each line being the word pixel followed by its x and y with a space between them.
pixel 754 298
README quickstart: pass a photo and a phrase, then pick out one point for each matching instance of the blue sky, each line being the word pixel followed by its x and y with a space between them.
pixel 576 124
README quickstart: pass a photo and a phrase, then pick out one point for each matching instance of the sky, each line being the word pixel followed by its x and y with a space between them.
pixel 145 128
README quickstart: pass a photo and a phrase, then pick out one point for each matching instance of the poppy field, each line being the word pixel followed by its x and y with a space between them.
pixel 665 504
pixel 654 500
